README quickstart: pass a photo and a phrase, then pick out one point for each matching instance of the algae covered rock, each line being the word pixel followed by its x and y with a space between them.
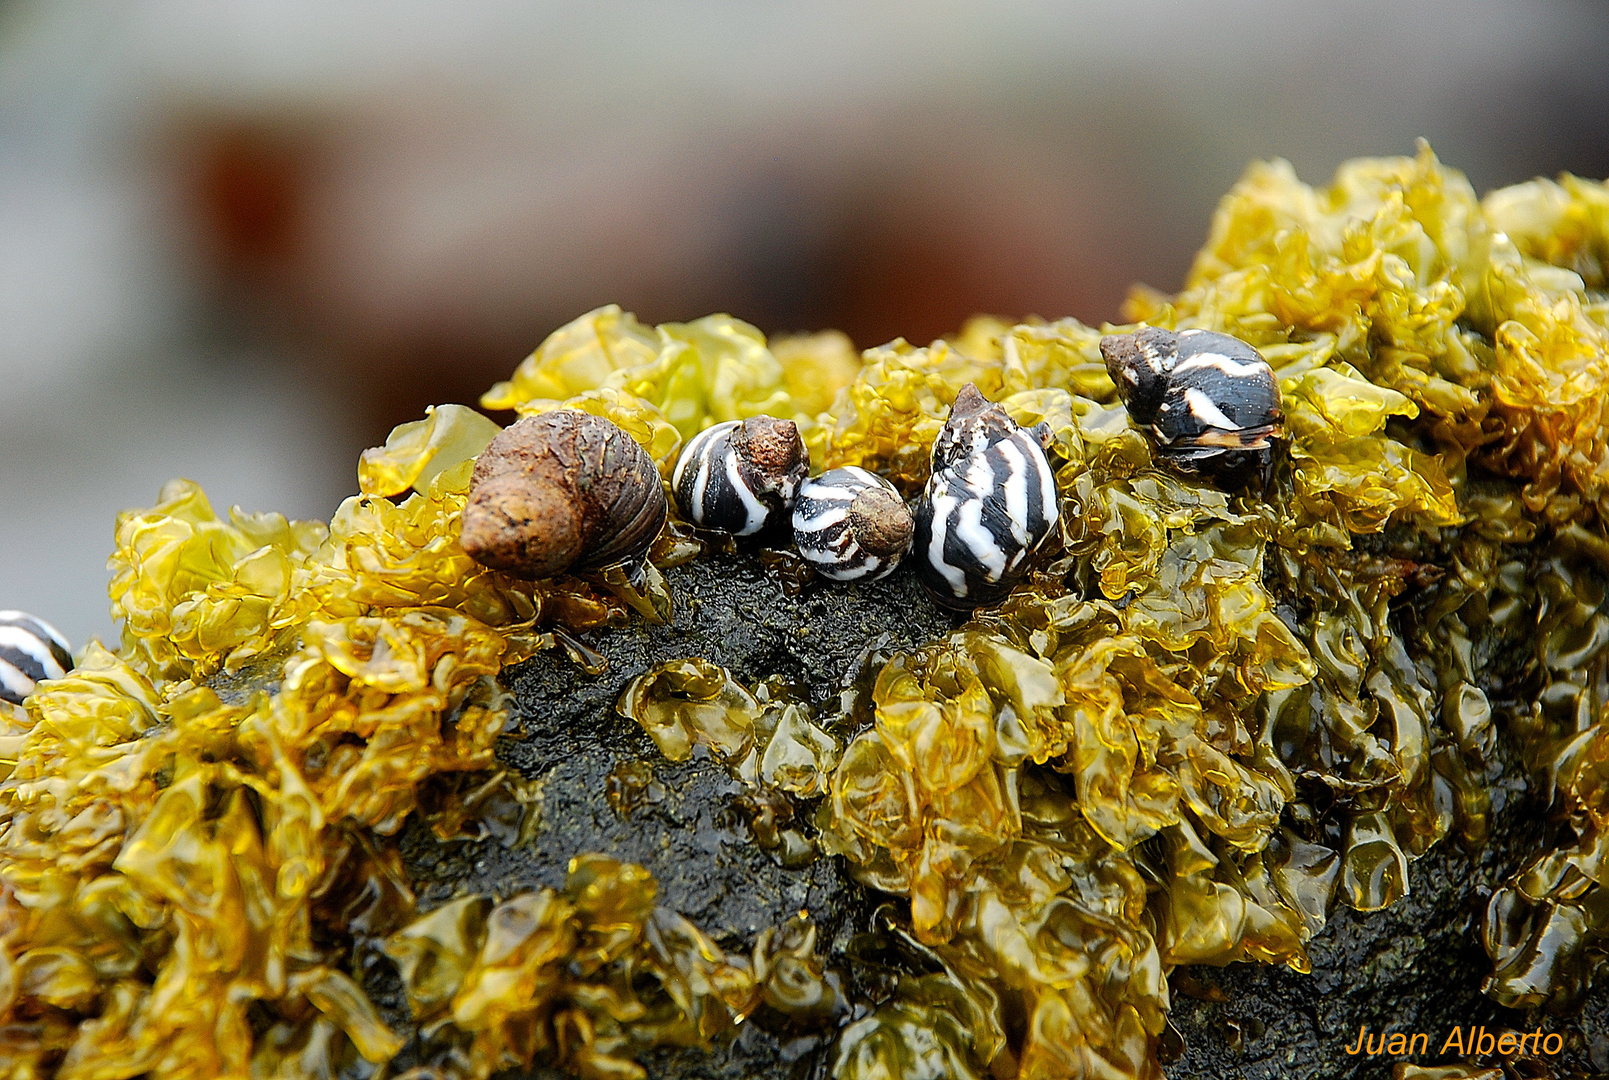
pixel 344 801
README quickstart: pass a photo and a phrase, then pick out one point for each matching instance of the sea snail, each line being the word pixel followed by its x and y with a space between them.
pixel 735 476
pixel 1210 401
pixel 31 650
pixel 563 490
pixel 989 504
pixel 851 525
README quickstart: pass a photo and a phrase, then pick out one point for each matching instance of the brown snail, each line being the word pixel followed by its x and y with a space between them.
pixel 562 491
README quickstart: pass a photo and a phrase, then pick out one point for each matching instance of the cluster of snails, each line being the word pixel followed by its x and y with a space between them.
pixel 31 650
pixel 739 476
pixel 989 503
pixel 569 491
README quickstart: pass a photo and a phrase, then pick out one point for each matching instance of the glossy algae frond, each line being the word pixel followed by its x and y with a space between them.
pixel 584 976
pixel 1200 722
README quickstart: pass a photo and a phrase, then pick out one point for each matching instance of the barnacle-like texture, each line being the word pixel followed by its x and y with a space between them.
pixel 1202 719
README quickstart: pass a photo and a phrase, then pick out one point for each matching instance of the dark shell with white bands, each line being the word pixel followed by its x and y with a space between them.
pixel 31 650
pixel 989 504
pixel 1210 402
pixel 736 476
pixel 851 525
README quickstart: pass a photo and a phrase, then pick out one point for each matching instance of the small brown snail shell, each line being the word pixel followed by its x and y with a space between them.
pixel 560 491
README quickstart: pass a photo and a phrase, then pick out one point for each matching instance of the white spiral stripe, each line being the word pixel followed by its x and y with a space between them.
pixel 13 682
pixel 1016 490
pixel 1206 410
pixel 821 519
pixel 1235 369
pixel 29 645
pixel 30 622
pixel 1047 492
pixel 695 450
pixel 753 509
pixel 943 506
pixel 701 480
pixel 971 531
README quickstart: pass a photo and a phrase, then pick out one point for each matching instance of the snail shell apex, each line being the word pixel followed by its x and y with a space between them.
pixel 737 476
pixel 851 525
pixel 31 650
pixel 563 490
pixel 975 422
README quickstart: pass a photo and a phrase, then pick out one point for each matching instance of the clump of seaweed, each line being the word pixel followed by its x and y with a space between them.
pixel 1202 720
pixel 581 977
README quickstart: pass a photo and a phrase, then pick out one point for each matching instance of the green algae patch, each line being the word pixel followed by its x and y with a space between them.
pixel 1202 720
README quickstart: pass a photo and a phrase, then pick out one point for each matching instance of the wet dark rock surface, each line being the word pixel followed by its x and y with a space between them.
pixel 686 827
pixel 1417 966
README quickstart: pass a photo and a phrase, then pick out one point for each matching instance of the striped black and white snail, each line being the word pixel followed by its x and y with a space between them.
pixel 735 477
pixel 1209 401
pixel 990 502
pixel 562 491
pixel 31 650
pixel 851 525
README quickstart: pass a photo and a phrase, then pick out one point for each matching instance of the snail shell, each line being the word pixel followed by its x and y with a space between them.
pixel 735 476
pixel 563 490
pixel 990 502
pixel 1210 402
pixel 850 524
pixel 31 650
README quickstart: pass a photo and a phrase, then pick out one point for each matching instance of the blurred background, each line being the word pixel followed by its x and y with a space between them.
pixel 239 242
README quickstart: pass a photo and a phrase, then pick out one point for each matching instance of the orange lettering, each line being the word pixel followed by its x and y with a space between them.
pixel 1455 1038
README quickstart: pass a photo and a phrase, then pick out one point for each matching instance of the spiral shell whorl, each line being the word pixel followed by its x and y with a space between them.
pixel 563 490
pixel 851 525
pixel 990 502
pixel 1209 402
pixel 736 476
pixel 31 650
pixel 975 423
